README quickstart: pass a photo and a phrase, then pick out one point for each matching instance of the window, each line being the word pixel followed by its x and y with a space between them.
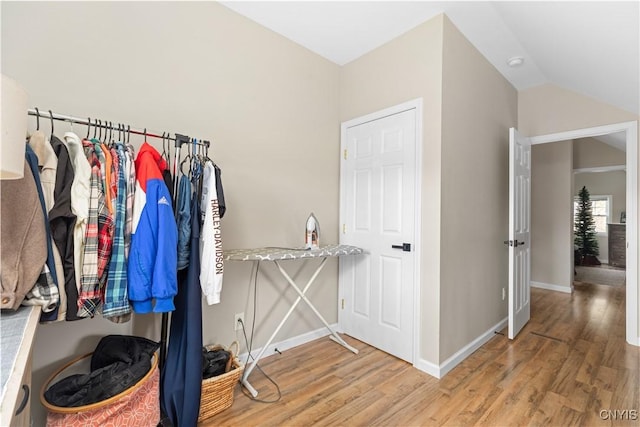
pixel 600 209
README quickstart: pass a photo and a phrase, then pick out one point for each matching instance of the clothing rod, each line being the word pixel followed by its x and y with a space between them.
pixel 78 120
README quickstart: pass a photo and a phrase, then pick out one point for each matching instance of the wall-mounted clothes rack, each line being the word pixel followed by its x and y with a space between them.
pixel 108 125
pixel 179 139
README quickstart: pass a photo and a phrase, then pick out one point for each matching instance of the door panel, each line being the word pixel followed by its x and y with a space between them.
pixel 377 288
pixel 519 231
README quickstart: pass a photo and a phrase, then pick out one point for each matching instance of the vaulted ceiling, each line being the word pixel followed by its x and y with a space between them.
pixel 592 48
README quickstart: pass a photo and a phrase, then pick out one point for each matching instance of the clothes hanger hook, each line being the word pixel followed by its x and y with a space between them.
pixel 37 119
pixel 89 128
pixel 51 117
pixel 128 133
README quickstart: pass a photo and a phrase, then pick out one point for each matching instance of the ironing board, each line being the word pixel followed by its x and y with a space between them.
pixel 277 254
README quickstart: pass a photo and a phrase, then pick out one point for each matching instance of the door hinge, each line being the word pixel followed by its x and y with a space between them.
pixel 344 228
pixel 344 154
pixel 343 303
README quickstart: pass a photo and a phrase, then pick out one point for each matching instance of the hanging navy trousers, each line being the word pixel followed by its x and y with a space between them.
pixel 182 376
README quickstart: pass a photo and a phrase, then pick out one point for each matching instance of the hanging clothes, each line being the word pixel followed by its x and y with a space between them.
pixel 80 193
pixel 211 259
pixel 45 291
pixel 220 191
pixel 47 167
pixel 61 222
pixel 184 222
pixel 116 300
pixel 99 156
pixel 130 173
pixel 182 373
pixel 23 249
pixel 96 239
pixel 152 263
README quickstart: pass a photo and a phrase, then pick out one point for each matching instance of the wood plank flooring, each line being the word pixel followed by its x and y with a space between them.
pixel 568 364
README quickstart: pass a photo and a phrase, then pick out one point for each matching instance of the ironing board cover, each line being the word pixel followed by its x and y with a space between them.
pixel 278 253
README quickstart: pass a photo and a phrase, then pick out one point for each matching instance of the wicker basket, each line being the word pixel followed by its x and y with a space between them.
pixel 217 392
pixel 138 405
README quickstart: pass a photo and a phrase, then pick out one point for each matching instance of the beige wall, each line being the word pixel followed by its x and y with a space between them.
pixel 549 109
pixel 551 214
pixel 269 106
pixel 406 68
pixel 590 153
pixel 552 193
pixel 457 304
pixel 478 108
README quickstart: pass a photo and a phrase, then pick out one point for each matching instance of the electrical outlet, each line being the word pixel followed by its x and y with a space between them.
pixel 238 321
pixel 504 293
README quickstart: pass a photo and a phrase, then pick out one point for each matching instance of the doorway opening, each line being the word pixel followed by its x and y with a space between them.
pixel 599 171
pixel 630 132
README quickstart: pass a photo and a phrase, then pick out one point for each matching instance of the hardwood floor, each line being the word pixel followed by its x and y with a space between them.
pixel 568 364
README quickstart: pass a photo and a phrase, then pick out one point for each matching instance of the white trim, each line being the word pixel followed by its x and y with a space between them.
pixel 292 342
pixel 601 169
pixel 631 132
pixel 427 367
pixel 549 287
pixel 466 351
pixel 416 104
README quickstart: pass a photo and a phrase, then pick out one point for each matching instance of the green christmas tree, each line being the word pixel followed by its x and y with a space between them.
pixel 585 227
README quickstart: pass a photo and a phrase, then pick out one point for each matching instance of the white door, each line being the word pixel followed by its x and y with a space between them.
pixel 378 214
pixel 519 231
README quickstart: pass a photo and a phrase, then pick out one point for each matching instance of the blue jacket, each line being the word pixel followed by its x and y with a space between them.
pixel 153 260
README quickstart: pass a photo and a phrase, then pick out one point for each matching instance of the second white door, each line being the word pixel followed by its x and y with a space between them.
pixel 378 215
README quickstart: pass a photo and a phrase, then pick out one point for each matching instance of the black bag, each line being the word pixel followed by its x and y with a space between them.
pixel 118 363
pixel 214 362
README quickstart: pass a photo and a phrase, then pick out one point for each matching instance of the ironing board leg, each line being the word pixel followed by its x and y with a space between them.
pixel 253 364
pixel 334 336
pixel 301 296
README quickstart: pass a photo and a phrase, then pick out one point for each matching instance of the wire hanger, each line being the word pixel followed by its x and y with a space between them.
pixel 128 133
pixel 168 148
pixel 51 117
pixel 88 128
pixel 37 119
pixel 186 158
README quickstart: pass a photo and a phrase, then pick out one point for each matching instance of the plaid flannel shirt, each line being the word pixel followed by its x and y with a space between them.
pixel 116 300
pixel 98 238
pixel 105 218
pixel 89 296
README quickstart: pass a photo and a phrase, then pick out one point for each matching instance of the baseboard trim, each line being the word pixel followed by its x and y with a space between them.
pixel 290 342
pixel 550 287
pixel 442 370
pixel 427 367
